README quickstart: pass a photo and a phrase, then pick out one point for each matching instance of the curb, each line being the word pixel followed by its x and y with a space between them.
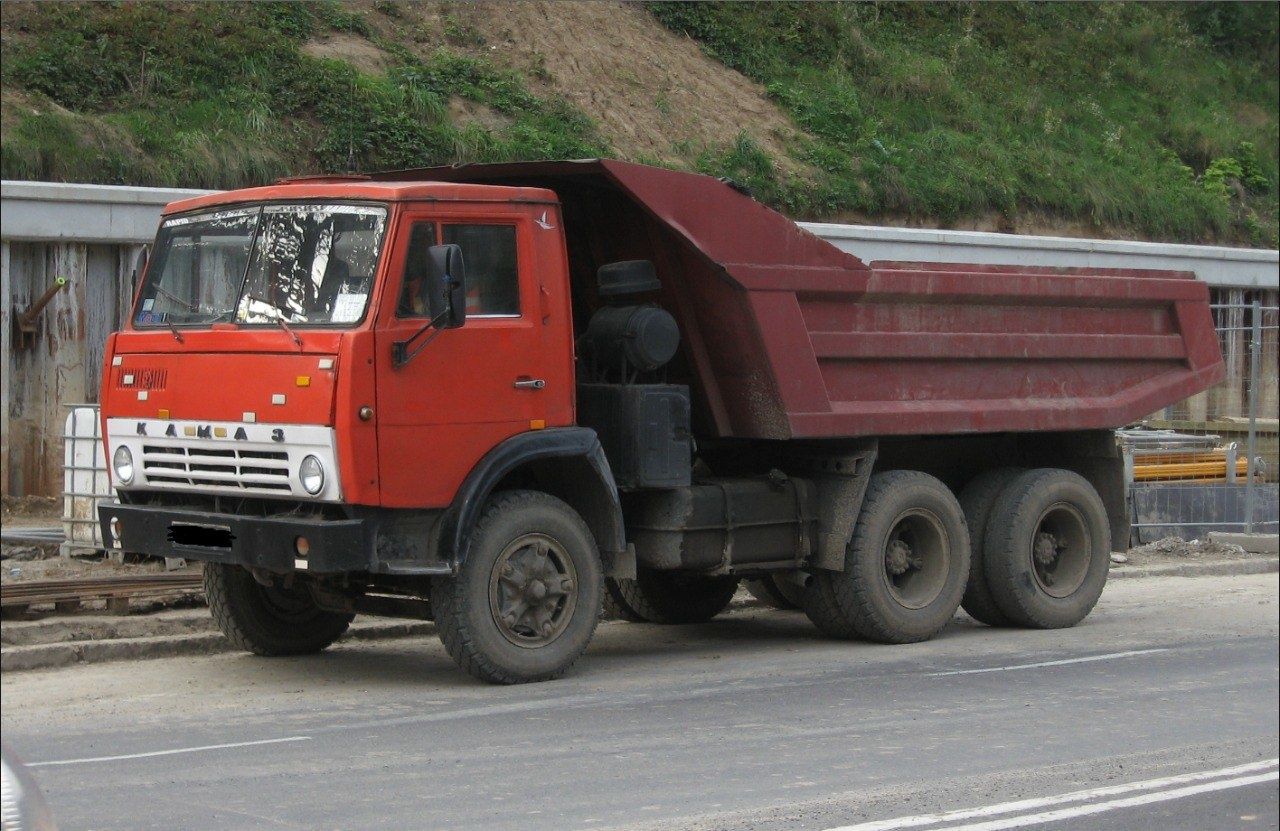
pixel 52 655
pixel 1216 568
pixel 78 628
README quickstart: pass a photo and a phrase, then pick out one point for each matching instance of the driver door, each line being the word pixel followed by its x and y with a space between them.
pixel 470 388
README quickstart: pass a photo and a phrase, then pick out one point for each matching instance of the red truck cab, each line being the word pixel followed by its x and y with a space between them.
pixel 175 367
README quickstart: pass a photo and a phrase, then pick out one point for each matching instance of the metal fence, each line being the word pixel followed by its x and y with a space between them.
pixel 1214 466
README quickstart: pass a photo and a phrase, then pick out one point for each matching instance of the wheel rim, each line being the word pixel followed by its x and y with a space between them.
pixel 1061 550
pixel 917 556
pixel 533 591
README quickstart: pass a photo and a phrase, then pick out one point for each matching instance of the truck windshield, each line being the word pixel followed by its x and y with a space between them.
pixel 297 263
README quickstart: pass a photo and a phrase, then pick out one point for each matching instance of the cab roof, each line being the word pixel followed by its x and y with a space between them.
pixel 364 188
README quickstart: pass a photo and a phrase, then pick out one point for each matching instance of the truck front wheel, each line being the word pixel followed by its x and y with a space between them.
pixel 777 590
pixel 905 568
pixel 1047 549
pixel 268 620
pixel 673 596
pixel 524 604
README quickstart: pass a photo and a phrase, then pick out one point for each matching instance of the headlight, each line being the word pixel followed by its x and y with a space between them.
pixel 311 472
pixel 122 464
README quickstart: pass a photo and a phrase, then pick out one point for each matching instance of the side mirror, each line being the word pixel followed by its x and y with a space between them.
pixel 444 291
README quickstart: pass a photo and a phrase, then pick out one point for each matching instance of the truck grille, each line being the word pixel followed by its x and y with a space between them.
pixel 253 471
pixel 141 378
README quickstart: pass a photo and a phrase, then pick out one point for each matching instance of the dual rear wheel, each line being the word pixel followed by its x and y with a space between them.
pixel 1020 547
pixel 1046 548
pixel 905 568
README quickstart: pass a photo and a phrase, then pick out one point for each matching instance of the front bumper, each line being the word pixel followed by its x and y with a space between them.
pixel 335 545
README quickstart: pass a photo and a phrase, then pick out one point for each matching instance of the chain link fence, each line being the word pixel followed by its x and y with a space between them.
pixel 1211 463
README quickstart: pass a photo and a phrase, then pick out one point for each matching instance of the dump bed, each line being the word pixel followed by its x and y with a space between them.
pixel 786 336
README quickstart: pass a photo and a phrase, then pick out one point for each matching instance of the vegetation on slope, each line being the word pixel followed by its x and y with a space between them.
pixel 1131 119
pixel 1156 119
pixel 223 94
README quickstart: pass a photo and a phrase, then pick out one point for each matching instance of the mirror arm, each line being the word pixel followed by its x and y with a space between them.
pixel 400 354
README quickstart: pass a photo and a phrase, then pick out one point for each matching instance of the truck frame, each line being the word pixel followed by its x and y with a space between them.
pixel 504 396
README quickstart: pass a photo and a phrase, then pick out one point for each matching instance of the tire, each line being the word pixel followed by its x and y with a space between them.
pixel 1047 549
pixel 269 621
pixel 523 543
pixel 976 500
pixel 615 607
pixel 905 567
pixel 673 597
pixel 778 591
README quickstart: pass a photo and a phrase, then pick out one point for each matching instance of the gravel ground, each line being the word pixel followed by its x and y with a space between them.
pixel 76 568
pixel 1178 550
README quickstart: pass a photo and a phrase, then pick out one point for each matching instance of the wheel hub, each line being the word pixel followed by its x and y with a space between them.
pixel 532 593
pixel 1046 548
pixel 898 558
pixel 1060 550
pixel 916 558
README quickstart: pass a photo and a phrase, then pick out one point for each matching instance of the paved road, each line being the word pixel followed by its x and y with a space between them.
pixel 1159 712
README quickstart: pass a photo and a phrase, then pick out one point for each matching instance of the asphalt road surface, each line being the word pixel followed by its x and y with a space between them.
pixel 1158 713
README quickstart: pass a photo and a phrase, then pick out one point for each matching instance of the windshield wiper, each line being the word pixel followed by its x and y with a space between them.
pixel 176 299
pixel 174 329
pixel 292 334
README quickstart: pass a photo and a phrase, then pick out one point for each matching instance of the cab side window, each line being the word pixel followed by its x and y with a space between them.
pixel 489 254
pixel 421 237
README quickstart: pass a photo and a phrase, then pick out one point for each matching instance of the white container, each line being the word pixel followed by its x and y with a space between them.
pixel 84 480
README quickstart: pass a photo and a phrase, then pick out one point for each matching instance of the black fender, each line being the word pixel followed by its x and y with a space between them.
pixel 596 498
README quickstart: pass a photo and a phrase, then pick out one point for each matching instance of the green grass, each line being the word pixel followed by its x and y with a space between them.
pixel 1156 120
pixel 1149 120
pixel 221 95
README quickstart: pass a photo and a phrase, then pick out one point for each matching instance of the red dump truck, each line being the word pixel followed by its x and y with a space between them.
pixel 503 396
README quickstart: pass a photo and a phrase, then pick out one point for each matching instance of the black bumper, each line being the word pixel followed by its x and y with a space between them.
pixel 335 545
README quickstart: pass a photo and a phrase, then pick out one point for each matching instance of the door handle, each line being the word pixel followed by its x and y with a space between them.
pixel 530 383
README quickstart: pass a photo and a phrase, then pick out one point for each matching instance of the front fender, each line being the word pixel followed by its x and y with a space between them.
pixel 580 448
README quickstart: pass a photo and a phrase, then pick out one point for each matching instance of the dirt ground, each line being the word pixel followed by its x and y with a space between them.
pixel 78 568
pixel 31 510
pixel 1178 550
pixel 668 105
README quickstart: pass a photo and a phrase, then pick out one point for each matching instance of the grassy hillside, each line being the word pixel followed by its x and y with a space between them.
pixel 1155 121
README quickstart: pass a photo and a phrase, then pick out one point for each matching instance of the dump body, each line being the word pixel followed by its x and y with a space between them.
pixel 786 336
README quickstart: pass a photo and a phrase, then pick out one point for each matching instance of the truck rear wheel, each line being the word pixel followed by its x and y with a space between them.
pixel 525 603
pixel 268 620
pixel 1047 549
pixel 674 596
pixel 977 499
pixel 905 568
pixel 778 591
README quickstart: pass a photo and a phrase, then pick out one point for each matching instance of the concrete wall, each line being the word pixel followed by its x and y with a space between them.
pixel 1240 268
pixel 92 234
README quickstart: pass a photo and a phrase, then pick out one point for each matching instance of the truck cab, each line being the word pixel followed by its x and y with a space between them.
pixel 282 402
pixel 273 313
